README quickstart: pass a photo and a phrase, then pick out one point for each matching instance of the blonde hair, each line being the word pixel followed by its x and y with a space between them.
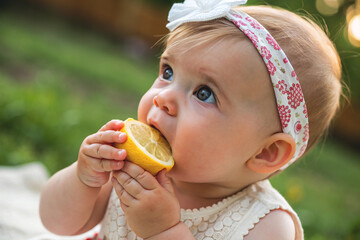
pixel 310 51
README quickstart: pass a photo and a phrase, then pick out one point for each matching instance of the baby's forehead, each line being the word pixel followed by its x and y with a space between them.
pixel 239 53
pixel 234 63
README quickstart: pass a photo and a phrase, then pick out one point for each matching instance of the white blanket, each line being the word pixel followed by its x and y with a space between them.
pixel 20 189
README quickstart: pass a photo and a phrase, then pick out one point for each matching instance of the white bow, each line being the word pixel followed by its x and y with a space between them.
pixel 199 10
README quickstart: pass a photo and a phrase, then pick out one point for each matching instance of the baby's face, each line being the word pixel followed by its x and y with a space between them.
pixel 214 104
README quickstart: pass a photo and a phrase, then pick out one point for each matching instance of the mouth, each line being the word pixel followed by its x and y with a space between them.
pixel 153 125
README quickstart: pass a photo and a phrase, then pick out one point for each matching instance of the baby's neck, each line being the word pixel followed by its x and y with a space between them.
pixel 197 195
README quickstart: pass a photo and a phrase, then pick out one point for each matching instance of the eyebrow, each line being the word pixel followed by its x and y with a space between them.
pixel 166 57
pixel 212 82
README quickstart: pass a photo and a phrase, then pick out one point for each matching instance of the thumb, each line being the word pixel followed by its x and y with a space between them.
pixel 165 181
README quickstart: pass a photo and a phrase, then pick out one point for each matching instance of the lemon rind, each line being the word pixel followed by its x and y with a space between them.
pixel 150 162
pixel 167 163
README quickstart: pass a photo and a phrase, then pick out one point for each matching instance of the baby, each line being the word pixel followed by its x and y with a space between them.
pixel 230 99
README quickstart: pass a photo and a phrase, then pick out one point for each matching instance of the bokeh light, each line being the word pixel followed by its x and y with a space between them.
pixel 354 27
pixel 328 7
pixel 353 24
pixel 333 3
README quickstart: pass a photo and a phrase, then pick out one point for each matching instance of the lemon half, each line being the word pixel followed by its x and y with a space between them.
pixel 146 147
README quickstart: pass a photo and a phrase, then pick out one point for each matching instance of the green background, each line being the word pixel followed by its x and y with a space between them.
pixel 60 82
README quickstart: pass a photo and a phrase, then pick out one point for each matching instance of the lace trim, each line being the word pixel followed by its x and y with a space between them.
pixel 216 207
pixel 234 221
pixel 235 216
pixel 244 230
pixel 231 218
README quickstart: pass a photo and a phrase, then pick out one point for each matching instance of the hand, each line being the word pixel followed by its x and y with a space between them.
pixel 97 156
pixel 148 202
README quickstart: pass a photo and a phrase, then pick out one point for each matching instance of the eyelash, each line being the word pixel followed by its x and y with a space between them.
pixel 212 94
pixel 165 66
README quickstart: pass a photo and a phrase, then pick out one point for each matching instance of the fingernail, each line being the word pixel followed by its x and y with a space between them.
pixel 121 153
pixel 118 123
pixel 122 136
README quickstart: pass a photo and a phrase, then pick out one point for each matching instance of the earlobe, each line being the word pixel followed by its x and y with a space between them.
pixel 278 150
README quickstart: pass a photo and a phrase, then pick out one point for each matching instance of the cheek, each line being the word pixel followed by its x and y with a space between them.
pixel 203 159
pixel 212 141
pixel 145 105
pixel 198 144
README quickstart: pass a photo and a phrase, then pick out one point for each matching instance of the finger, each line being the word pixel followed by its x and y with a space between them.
pixel 165 181
pixel 105 165
pixel 143 177
pixel 101 151
pixel 124 197
pixel 114 124
pixel 129 184
pixel 108 136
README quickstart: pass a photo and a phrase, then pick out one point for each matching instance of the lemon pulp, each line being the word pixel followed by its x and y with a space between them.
pixel 146 147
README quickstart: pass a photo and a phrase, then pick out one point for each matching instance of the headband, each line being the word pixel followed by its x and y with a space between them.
pixel 289 96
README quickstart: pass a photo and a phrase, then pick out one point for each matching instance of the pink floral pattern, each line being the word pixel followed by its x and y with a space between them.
pixel 295 96
pixel 306 133
pixel 252 37
pixel 253 23
pixel 285 115
pixel 265 53
pixel 297 127
pixel 302 150
pixel 272 42
pixel 237 15
pixel 290 100
pixel 282 86
pixel 271 68
pixel 305 111
pixel 239 23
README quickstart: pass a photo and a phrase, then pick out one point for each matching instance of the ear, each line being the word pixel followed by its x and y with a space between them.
pixel 277 151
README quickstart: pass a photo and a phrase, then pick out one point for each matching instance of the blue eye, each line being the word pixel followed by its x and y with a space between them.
pixel 167 73
pixel 205 94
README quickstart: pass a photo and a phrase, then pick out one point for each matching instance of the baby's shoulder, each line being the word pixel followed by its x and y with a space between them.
pixel 277 224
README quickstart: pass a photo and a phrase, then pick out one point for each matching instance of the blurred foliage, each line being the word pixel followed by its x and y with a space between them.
pixel 59 83
pixel 322 188
pixel 40 122
pixel 58 87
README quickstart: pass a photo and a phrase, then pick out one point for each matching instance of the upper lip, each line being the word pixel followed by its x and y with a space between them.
pixel 156 126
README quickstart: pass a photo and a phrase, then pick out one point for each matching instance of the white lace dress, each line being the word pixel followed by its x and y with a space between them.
pixel 230 219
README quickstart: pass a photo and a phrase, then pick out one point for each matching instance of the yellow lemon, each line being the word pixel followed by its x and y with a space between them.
pixel 146 147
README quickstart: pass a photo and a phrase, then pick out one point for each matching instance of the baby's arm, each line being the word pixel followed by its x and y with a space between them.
pixel 277 224
pixel 74 199
pixel 149 203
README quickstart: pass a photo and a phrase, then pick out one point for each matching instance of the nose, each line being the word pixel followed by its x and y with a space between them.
pixel 166 101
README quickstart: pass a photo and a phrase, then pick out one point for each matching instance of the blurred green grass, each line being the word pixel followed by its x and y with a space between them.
pixel 59 83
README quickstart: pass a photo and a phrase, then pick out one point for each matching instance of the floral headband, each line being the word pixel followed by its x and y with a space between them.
pixel 289 96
